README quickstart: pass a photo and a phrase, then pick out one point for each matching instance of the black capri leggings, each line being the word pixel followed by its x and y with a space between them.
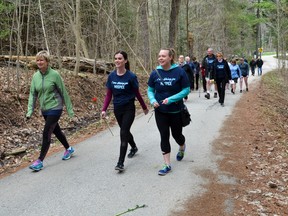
pixel 51 126
pixel 164 122
pixel 125 116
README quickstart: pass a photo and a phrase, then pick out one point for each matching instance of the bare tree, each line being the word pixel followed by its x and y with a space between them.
pixel 144 37
pixel 174 13
pixel 43 27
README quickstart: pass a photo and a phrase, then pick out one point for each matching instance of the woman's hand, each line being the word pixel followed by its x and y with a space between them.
pixel 146 111
pixel 103 114
pixel 156 104
pixel 165 101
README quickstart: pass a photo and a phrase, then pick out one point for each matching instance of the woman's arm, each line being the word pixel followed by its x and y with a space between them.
pixel 179 96
pixel 140 99
pixel 107 99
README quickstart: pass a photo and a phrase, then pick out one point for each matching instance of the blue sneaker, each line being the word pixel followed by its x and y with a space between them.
pixel 165 169
pixel 180 154
pixel 37 165
pixel 68 153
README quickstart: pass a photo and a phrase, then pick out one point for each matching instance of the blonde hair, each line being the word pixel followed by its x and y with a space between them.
pixel 171 53
pixel 219 54
pixel 43 54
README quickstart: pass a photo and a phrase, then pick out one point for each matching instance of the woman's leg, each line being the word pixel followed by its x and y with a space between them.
pixel 61 136
pixel 50 124
pixel 246 82
pixel 125 119
pixel 162 121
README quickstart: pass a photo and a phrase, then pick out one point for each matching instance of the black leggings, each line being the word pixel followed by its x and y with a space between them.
pixel 125 117
pixel 164 122
pixel 221 86
pixel 51 126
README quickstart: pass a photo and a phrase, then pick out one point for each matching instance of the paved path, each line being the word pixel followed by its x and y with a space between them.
pixel 88 184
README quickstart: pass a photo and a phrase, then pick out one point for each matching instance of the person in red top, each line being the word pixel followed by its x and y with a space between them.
pixel 123 85
pixel 203 77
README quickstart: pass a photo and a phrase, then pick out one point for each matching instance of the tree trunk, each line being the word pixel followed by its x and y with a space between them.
pixel 145 52
pixel 43 27
pixel 77 36
pixel 175 7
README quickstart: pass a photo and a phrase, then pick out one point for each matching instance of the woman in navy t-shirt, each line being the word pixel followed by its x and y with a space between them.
pixel 222 75
pixel 123 85
pixel 166 91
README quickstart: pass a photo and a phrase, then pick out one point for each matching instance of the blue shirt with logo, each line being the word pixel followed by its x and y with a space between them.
pixel 175 79
pixel 122 87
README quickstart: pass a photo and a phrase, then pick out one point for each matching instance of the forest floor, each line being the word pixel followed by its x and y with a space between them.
pixel 253 147
pixel 253 144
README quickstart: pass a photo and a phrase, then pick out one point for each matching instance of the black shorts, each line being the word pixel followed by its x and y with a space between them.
pixel 244 75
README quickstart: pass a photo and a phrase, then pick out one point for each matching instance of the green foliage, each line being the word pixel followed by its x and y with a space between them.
pixel 6 10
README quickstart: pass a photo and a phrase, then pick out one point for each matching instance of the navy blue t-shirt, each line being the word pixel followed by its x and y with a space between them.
pixel 175 80
pixel 122 87
pixel 219 70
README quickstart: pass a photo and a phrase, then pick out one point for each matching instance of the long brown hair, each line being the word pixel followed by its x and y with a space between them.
pixel 125 56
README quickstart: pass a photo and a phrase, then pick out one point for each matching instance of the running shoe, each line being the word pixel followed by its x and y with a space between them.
pixel 215 95
pixel 37 165
pixel 222 104
pixel 119 167
pixel 180 154
pixel 165 169
pixel 68 153
pixel 207 96
pixel 132 152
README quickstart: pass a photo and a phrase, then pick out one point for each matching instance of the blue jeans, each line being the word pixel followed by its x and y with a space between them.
pixel 259 71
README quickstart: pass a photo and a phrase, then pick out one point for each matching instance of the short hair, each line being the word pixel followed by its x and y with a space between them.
pixel 43 54
pixel 194 58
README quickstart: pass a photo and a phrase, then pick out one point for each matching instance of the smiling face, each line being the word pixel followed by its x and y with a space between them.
pixel 42 64
pixel 119 61
pixel 164 59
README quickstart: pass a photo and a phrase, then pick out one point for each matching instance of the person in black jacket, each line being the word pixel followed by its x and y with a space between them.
pixel 186 67
pixel 259 64
pixel 197 71
pixel 252 64
pixel 222 75
pixel 208 64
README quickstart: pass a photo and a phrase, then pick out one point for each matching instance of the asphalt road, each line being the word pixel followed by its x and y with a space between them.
pixel 88 184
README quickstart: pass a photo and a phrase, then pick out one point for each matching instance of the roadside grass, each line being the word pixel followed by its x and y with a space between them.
pixel 268 53
pixel 275 105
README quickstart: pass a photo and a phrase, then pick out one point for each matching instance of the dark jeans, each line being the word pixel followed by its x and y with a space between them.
pixel 165 122
pixel 197 81
pixel 253 70
pixel 125 116
pixel 51 126
pixel 221 86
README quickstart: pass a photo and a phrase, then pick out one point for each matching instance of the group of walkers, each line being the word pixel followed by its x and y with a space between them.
pixel 218 71
pixel 168 88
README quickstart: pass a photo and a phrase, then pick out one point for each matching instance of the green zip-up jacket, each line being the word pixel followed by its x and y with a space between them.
pixel 51 91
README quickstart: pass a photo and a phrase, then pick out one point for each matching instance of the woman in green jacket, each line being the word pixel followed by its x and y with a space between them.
pixel 47 85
